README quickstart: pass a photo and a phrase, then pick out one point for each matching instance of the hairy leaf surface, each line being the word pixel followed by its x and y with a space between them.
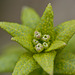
pixel 65 63
pixel 15 29
pixel 57 44
pixel 26 42
pixel 25 65
pixel 46 61
pixel 46 24
pixel 65 30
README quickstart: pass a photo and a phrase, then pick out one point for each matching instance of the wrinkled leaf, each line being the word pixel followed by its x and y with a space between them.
pixel 25 65
pixel 65 63
pixel 46 24
pixel 65 30
pixel 15 29
pixel 9 58
pixel 46 61
pixel 56 45
pixel 25 41
pixel 29 17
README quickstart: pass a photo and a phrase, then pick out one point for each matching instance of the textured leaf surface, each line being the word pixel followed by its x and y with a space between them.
pixel 56 45
pixel 25 65
pixel 9 58
pixel 46 24
pixel 46 61
pixel 26 42
pixel 29 17
pixel 15 29
pixel 65 63
pixel 65 30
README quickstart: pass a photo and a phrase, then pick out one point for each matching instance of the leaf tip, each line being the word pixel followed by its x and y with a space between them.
pixel 64 43
pixel 1 23
pixel 49 4
pixel 12 38
pixel 25 7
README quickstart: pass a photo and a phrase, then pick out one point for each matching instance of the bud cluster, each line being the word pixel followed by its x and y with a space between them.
pixel 41 42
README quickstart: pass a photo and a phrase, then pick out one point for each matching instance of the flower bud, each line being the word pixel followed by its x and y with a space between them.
pixel 39 47
pixel 35 41
pixel 45 45
pixel 46 38
pixel 37 35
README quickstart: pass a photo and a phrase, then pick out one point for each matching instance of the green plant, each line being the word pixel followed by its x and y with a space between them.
pixel 44 44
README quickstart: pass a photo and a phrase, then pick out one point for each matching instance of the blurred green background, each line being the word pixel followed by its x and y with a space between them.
pixel 10 10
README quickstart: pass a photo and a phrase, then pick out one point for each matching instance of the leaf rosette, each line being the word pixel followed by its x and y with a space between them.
pixel 43 41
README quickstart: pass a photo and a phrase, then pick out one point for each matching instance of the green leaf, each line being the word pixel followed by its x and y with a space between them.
pixel 65 63
pixel 38 71
pixel 15 29
pixel 23 34
pixel 46 24
pixel 10 57
pixel 56 45
pixel 25 65
pixel 71 45
pixel 25 41
pixel 46 61
pixel 65 31
pixel 29 17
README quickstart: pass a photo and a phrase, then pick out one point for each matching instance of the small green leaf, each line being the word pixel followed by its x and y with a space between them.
pixel 15 29
pixel 65 63
pixel 29 17
pixel 25 65
pixel 46 24
pixel 10 57
pixel 25 41
pixel 46 61
pixel 56 45
pixel 65 31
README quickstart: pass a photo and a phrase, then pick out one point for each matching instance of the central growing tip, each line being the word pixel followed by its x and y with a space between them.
pixel 41 42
